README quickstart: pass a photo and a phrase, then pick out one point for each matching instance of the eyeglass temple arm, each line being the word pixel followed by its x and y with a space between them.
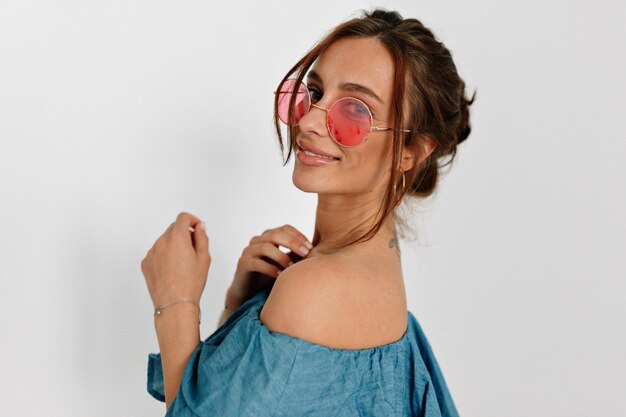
pixel 389 128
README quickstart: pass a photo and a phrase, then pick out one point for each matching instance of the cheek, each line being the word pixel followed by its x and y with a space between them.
pixel 379 151
pixel 372 162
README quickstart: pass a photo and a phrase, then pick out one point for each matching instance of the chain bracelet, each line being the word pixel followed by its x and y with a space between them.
pixel 159 309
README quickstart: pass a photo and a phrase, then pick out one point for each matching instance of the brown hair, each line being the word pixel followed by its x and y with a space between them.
pixel 426 78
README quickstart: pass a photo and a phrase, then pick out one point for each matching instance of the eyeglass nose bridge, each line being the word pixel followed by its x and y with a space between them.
pixel 320 107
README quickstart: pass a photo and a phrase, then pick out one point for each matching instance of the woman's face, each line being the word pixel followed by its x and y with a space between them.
pixel 350 67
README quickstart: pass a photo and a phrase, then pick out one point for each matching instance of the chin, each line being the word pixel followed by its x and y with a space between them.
pixel 308 185
pixel 309 181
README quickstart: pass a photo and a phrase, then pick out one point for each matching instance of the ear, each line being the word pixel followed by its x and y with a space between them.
pixel 410 158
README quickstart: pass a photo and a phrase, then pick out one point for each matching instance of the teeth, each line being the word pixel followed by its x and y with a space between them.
pixel 320 156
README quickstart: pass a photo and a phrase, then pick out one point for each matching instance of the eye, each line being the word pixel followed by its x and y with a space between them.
pixel 356 109
pixel 315 94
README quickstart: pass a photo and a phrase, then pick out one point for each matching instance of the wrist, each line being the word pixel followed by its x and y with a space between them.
pixel 183 317
pixel 169 299
pixel 158 311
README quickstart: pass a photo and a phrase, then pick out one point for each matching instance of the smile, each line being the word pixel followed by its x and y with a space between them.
pixel 321 156
pixel 309 158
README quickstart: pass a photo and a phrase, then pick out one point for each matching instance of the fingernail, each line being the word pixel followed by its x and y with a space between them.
pixel 304 250
pixel 290 263
pixel 308 244
pixel 203 226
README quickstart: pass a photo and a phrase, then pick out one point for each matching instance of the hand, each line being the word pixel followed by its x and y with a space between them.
pixel 178 263
pixel 261 261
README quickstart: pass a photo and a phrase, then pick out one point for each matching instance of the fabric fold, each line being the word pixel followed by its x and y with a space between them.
pixel 243 369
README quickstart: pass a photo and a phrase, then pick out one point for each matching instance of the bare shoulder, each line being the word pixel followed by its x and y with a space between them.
pixel 336 303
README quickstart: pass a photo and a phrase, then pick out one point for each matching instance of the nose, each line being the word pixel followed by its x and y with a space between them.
pixel 313 123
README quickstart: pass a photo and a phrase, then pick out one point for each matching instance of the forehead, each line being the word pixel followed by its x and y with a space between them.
pixel 364 61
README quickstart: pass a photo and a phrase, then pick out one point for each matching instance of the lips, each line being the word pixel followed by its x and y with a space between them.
pixel 313 151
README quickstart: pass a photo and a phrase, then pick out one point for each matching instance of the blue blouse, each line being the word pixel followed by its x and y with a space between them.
pixel 244 369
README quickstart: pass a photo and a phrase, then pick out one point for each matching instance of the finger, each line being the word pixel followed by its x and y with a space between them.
pixel 296 233
pixel 185 220
pixel 270 251
pixel 254 240
pixel 284 239
pixel 258 265
pixel 200 239
pixel 299 243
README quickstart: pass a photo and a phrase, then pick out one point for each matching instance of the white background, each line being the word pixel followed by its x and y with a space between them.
pixel 116 116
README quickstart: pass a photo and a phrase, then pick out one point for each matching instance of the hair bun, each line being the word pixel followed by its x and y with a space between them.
pixel 465 127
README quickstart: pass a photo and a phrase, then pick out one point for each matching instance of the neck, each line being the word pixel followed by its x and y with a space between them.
pixel 339 219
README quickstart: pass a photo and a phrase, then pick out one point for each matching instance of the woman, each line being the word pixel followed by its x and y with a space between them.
pixel 324 329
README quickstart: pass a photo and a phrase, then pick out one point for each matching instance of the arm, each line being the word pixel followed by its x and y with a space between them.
pixel 178 333
pixel 231 304
pixel 177 266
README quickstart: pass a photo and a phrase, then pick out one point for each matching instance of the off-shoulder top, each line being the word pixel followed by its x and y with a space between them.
pixel 244 369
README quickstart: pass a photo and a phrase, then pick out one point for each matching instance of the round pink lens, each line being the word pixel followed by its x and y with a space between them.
pixel 301 104
pixel 349 121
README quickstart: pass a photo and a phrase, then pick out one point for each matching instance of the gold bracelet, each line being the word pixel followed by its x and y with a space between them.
pixel 159 309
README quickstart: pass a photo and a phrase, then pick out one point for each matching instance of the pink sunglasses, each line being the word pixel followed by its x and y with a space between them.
pixel 349 120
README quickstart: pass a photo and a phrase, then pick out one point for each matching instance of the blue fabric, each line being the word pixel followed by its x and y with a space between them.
pixel 243 369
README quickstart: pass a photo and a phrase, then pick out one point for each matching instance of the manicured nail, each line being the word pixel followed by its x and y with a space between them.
pixel 304 250
pixel 308 244
pixel 203 226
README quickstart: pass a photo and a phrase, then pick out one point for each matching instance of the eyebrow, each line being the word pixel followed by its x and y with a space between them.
pixel 349 86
